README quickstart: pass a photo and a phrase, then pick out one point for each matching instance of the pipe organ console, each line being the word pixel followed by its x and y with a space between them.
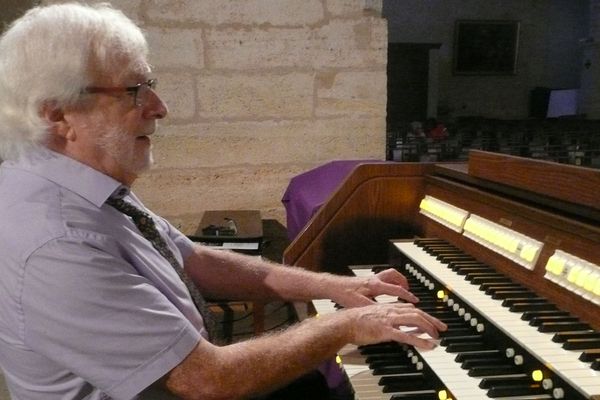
pixel 505 250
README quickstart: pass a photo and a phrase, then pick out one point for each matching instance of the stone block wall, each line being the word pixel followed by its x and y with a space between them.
pixel 259 91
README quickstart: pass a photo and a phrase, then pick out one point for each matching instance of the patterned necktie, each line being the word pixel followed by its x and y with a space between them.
pixel 147 228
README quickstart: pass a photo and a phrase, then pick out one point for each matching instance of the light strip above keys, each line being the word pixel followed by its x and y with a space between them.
pixel 575 274
pixel 513 245
pixel 444 213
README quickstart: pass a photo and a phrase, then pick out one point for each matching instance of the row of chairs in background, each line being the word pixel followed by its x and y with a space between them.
pixel 576 146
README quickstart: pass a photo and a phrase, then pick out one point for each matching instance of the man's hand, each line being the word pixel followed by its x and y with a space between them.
pixel 400 322
pixel 357 291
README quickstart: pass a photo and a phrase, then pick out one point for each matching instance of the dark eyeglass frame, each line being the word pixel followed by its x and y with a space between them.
pixel 134 90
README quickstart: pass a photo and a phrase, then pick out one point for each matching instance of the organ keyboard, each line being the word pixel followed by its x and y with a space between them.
pixel 515 271
pixel 524 353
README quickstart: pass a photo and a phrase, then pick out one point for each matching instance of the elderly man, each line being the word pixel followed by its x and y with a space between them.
pixel 92 299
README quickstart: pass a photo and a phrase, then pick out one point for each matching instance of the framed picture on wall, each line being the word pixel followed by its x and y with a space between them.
pixel 485 47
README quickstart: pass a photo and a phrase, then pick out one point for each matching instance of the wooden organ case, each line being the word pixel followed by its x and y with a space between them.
pixel 535 222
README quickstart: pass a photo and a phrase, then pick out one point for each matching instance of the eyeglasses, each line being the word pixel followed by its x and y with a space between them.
pixel 140 91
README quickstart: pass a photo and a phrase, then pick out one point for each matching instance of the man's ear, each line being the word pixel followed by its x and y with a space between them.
pixel 56 121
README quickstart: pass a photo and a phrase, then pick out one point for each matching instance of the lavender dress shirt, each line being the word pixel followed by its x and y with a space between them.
pixel 88 308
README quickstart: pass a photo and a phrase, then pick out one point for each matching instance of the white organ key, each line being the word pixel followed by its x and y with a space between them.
pixel 324 306
pixel 562 362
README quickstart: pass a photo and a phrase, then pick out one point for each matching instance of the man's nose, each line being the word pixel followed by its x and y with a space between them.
pixel 155 107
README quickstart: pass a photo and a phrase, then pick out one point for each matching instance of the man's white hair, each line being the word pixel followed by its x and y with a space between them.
pixel 47 55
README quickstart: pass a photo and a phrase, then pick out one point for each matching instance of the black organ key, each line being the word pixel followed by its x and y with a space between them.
pixel 483 276
pixel 478 280
pixel 472 270
pixel 493 289
pixel 461 330
pixel 516 390
pixel 441 312
pixel 436 249
pixel 537 321
pixel 399 355
pixel 416 395
pixel 428 240
pixel 475 355
pixel 524 300
pixel 471 262
pixel 581 344
pixel 446 315
pixel 516 379
pixel 419 292
pixel 430 304
pixel 447 340
pixel 394 369
pixel 447 249
pixel 596 364
pixel 450 252
pixel 528 315
pixel 380 348
pixel 402 379
pixel 423 293
pixel 408 383
pixel 471 346
pixel 459 265
pixel 379 367
pixel 522 307
pixel 562 337
pixel 479 362
pixel 589 355
pixel 563 326
pixel 509 294
pixel 493 370
pixel 390 357
pixel 456 323
pixel 489 287
pixel 435 243
pixel 446 258
pixel 336 306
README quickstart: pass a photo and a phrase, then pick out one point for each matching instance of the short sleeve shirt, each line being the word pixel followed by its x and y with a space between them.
pixel 88 308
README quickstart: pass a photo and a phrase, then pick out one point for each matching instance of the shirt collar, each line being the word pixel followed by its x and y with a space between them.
pixel 71 174
pixel 120 192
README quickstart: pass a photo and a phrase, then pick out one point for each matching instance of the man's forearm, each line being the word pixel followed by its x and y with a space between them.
pixel 262 364
pixel 257 366
pixel 221 274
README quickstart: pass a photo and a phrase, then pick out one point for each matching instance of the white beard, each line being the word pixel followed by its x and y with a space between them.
pixel 121 147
